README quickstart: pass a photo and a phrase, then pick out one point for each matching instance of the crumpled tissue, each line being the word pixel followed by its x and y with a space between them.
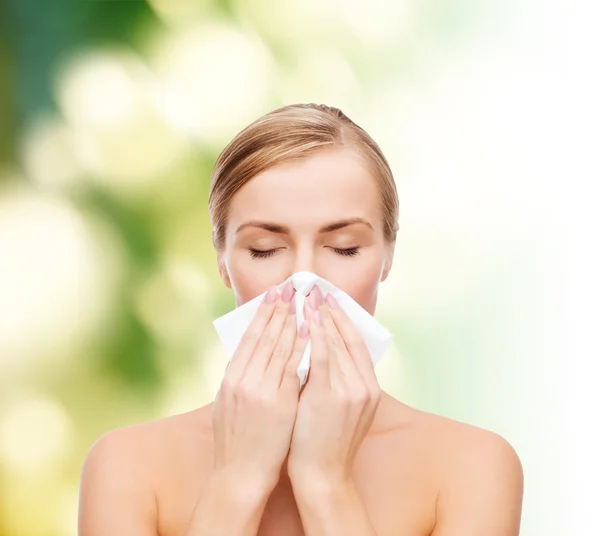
pixel 231 326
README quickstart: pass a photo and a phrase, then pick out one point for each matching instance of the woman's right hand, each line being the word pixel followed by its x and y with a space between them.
pixel 255 409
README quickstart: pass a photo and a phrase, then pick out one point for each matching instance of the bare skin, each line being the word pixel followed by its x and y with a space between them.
pixel 407 473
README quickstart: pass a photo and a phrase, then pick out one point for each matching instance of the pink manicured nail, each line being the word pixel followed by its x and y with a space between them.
pixel 319 296
pixel 303 332
pixel 288 290
pixel 312 300
pixel 333 303
pixel 271 296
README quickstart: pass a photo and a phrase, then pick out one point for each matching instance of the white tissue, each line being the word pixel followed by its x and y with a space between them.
pixel 231 327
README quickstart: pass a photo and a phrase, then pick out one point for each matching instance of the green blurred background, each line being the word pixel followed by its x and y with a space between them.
pixel 112 114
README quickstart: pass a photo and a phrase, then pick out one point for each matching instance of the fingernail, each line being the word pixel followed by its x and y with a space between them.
pixel 319 296
pixel 313 301
pixel 303 332
pixel 318 319
pixel 333 303
pixel 293 305
pixel 271 296
pixel 288 290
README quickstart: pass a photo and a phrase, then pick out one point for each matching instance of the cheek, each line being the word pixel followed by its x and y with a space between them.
pixel 248 280
pixel 361 285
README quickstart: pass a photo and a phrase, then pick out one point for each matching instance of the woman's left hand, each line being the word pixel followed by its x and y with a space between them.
pixel 338 403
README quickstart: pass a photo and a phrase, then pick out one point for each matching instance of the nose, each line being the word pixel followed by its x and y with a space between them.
pixel 304 265
pixel 304 260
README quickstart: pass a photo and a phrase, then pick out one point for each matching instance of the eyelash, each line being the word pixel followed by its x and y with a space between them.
pixel 263 254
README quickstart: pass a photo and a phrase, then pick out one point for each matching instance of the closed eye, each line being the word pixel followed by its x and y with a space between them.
pixel 263 254
pixel 348 252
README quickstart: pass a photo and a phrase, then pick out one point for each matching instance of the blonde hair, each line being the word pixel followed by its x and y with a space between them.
pixel 288 133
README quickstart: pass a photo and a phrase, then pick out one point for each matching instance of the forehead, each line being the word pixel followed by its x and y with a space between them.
pixel 325 186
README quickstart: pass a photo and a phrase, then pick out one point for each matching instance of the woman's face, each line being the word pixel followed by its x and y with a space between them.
pixel 320 214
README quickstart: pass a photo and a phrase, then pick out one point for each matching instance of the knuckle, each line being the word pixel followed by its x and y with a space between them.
pixel 291 370
pixel 270 399
pixel 243 391
pixel 297 353
pixel 268 339
pixel 360 397
pixel 263 398
pixel 267 399
pixel 227 385
pixel 280 353
pixel 338 344
pixel 250 336
pixel 339 396
pixel 375 395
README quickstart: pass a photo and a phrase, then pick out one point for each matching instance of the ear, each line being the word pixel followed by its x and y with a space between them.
pixel 389 260
pixel 223 270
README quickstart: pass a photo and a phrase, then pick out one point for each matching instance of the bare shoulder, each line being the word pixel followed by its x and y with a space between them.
pixel 453 442
pixel 123 470
pixel 464 444
pixel 471 454
pixel 143 447
pixel 478 475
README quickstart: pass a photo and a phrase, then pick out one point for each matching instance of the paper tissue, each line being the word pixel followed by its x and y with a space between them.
pixel 231 327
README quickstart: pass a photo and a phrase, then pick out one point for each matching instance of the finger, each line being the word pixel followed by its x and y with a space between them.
pixel 353 341
pixel 283 349
pixel 267 343
pixel 252 335
pixel 341 364
pixel 319 356
pixel 289 374
pixel 362 386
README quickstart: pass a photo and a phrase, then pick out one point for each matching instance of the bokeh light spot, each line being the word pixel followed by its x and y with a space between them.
pixel 216 79
pixel 56 280
pixel 34 433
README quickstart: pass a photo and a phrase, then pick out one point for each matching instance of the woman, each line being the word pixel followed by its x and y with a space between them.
pixel 302 188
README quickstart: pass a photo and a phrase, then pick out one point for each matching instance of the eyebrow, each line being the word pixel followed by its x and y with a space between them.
pixel 282 229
